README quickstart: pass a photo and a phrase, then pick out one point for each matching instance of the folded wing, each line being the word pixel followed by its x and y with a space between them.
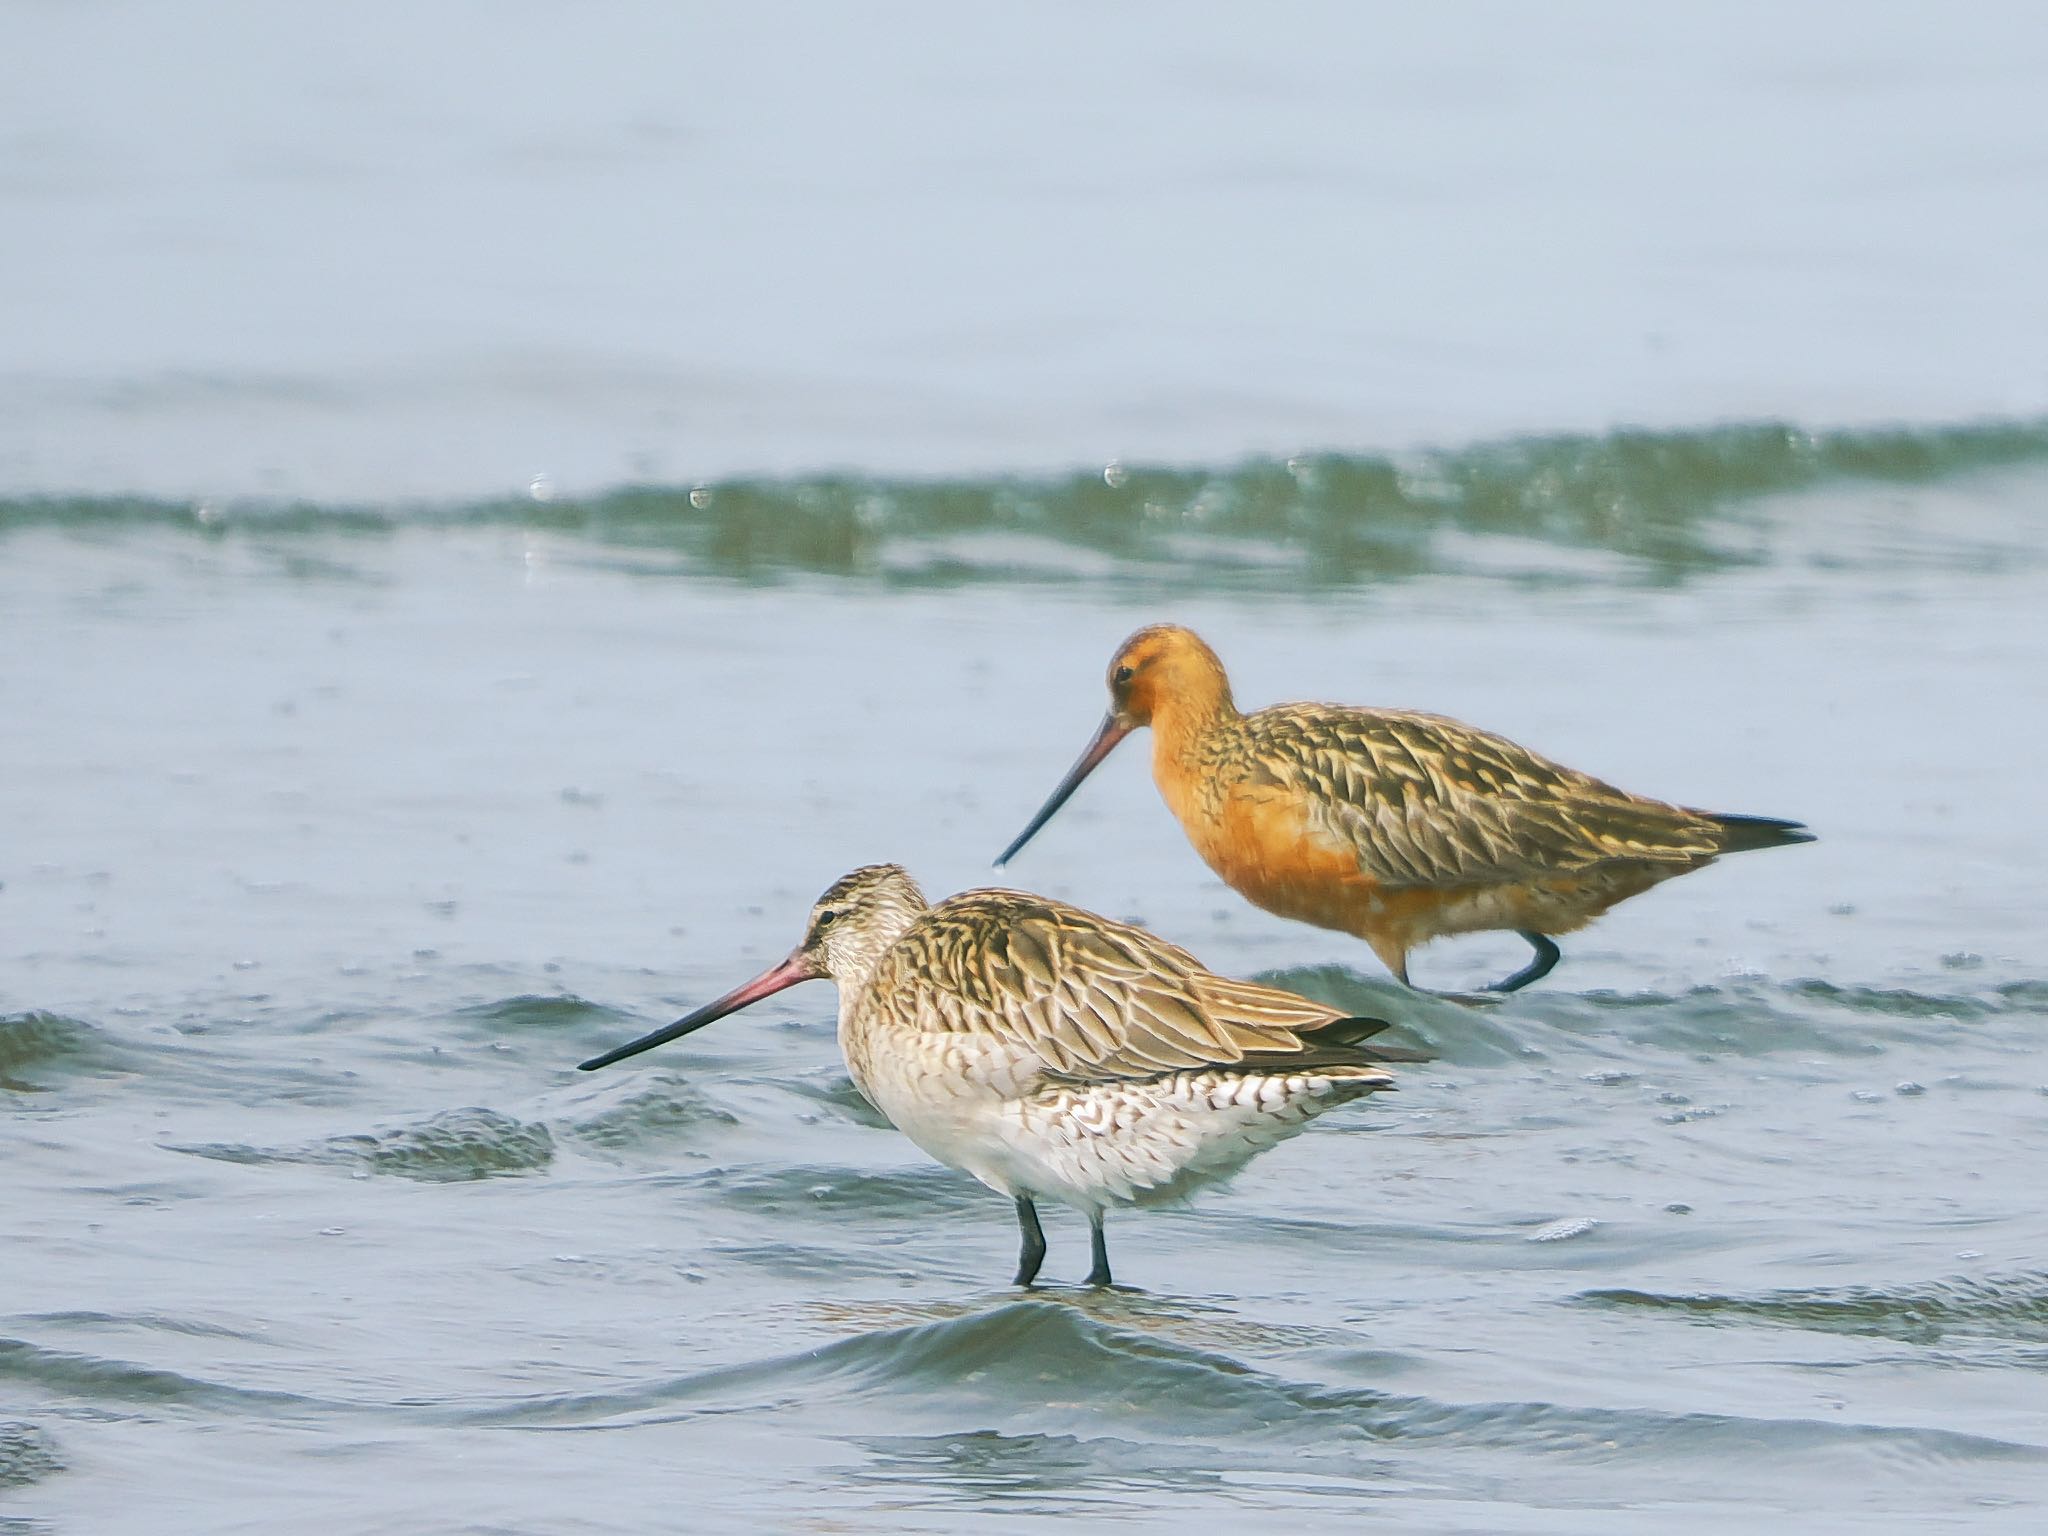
pixel 1099 1000
pixel 1426 801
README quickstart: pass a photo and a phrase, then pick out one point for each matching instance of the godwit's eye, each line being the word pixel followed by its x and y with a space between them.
pixel 828 915
pixel 1122 675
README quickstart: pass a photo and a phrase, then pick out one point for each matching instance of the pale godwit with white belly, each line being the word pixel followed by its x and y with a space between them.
pixel 1395 826
pixel 1057 1055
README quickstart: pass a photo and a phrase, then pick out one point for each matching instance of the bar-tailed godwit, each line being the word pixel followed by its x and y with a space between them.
pixel 1392 825
pixel 1057 1055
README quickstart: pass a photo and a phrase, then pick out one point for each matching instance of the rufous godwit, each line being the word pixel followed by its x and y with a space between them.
pixel 1396 826
pixel 1058 1055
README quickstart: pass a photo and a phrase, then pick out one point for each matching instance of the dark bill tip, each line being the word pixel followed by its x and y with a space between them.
pixel 1106 737
pixel 787 974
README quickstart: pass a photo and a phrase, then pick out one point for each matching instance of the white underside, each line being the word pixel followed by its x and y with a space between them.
pixel 1094 1145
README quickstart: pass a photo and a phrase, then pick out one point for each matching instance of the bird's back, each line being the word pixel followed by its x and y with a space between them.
pixel 1092 998
pixel 1425 800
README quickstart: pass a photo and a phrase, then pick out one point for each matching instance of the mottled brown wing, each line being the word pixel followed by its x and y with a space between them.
pixel 1427 801
pixel 1095 999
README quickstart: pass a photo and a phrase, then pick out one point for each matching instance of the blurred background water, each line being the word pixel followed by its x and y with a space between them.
pixel 500 504
pixel 435 251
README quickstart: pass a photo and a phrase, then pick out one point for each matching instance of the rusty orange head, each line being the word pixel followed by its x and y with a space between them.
pixel 1161 668
pixel 1164 667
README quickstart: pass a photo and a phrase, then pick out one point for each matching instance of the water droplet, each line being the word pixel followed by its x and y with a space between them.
pixel 541 488
pixel 1909 1089
pixel 700 496
pixel 1867 1096
pixel 1114 474
pixel 1679 1208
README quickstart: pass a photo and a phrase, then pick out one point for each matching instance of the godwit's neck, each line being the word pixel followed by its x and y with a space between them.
pixel 858 948
pixel 1183 718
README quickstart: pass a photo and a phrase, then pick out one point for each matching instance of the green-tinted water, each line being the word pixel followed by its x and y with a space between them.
pixel 1658 506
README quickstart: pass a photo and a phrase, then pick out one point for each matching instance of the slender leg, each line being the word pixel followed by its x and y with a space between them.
pixel 1392 955
pixel 1099 1274
pixel 1538 968
pixel 1033 1253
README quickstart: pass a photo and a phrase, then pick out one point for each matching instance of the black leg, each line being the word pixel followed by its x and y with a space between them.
pixel 1099 1275
pixel 1538 968
pixel 1033 1253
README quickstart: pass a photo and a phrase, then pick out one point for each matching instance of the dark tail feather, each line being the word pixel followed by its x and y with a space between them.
pixel 1746 832
pixel 1352 1033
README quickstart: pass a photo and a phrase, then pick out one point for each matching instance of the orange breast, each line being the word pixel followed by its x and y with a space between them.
pixel 1262 841
pixel 1258 838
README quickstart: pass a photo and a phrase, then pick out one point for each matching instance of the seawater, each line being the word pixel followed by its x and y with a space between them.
pixel 500 505
pixel 336 837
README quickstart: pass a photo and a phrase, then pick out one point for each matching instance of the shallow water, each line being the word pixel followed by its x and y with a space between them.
pixel 437 645
pixel 305 933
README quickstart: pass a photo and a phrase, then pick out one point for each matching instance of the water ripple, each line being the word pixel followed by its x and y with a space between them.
pixel 38 1039
pixel 152 1321
pixel 1742 1018
pixel 1044 1367
pixel 96 1378
pixel 660 1113
pixel 27 1454
pixel 530 1012
pixel 1651 507
pixel 912 1191
pixel 454 1145
pixel 2009 1309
